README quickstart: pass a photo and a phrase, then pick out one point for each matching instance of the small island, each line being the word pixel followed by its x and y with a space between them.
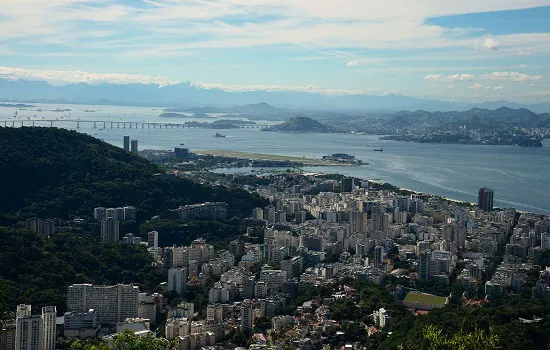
pixel 300 124
pixel 344 158
pixel 16 105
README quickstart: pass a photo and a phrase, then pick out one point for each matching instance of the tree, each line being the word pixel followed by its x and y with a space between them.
pixel 434 339
pixel 127 340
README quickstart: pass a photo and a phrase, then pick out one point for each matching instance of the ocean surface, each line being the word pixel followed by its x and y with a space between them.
pixel 520 177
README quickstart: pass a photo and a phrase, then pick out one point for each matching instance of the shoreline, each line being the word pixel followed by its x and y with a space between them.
pixel 272 157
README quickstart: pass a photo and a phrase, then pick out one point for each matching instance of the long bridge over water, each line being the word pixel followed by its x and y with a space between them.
pixel 107 124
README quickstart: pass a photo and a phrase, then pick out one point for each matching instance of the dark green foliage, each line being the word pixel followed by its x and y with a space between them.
pixel 127 340
pixel 499 319
pixel 37 270
pixel 60 173
pixel 182 233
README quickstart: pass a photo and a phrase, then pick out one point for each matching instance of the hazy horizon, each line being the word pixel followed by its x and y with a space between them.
pixel 465 51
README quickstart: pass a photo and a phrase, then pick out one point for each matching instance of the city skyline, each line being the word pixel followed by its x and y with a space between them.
pixel 464 51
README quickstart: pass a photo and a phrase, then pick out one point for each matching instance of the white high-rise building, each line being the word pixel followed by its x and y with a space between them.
pixel 177 280
pixel 110 230
pixel 23 310
pixel 545 240
pixel 153 239
pixel 49 316
pixel 29 330
pixel 112 303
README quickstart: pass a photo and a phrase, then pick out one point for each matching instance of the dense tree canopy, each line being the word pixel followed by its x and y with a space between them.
pixel 183 233
pixel 37 270
pixel 52 172
pixel 127 340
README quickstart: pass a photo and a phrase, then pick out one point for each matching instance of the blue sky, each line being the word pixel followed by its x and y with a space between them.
pixel 461 50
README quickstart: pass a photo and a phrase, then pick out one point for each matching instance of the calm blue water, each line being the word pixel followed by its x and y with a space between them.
pixel 520 177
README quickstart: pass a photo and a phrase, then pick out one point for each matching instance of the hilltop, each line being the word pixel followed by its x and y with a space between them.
pixel 300 124
pixel 51 172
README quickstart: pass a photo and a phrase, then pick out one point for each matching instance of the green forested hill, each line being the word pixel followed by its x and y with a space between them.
pixel 37 270
pixel 51 172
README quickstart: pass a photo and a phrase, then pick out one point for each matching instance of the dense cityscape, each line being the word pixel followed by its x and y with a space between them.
pixel 329 261
pixel 274 175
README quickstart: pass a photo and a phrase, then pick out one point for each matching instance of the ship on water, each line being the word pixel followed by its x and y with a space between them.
pixel 219 135
pixel 378 150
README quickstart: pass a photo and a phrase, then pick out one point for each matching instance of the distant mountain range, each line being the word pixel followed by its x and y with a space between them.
pixel 475 118
pixel 188 95
pixel 502 118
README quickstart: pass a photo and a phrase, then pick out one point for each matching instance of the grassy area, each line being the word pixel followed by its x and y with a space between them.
pixel 259 156
pixel 426 299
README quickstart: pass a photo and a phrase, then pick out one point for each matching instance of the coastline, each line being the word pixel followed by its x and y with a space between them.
pixel 270 157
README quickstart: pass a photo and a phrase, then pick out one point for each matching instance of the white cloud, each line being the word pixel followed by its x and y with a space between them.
pixel 244 23
pixel 498 88
pixel 453 77
pixel 541 93
pixel 59 77
pixel 297 88
pixel 442 86
pixel 476 86
pixel 352 63
pixel 64 77
pixel 511 76
pixel 488 44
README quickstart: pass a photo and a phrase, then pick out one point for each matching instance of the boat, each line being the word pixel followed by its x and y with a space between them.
pixel 378 150
pixel 219 135
pixel 181 144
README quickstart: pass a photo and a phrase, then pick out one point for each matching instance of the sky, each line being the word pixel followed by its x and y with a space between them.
pixel 456 50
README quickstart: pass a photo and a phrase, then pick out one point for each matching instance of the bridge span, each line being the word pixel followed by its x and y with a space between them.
pixel 107 124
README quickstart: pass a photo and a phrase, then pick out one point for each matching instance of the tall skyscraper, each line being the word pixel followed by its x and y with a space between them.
pixel 134 146
pixel 247 315
pixel 152 239
pixel 424 262
pixel 177 281
pixel 485 199
pixel 29 330
pixel 49 316
pixel 127 143
pixel 347 184
pixel 378 255
pixel 110 232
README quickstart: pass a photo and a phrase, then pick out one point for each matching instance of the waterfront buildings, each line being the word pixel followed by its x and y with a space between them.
pixel 485 199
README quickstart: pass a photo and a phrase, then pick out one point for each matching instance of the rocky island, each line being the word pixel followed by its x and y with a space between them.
pixel 300 124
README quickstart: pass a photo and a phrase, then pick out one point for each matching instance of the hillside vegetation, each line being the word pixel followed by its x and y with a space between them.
pixel 49 172
pixel 300 124
pixel 37 270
